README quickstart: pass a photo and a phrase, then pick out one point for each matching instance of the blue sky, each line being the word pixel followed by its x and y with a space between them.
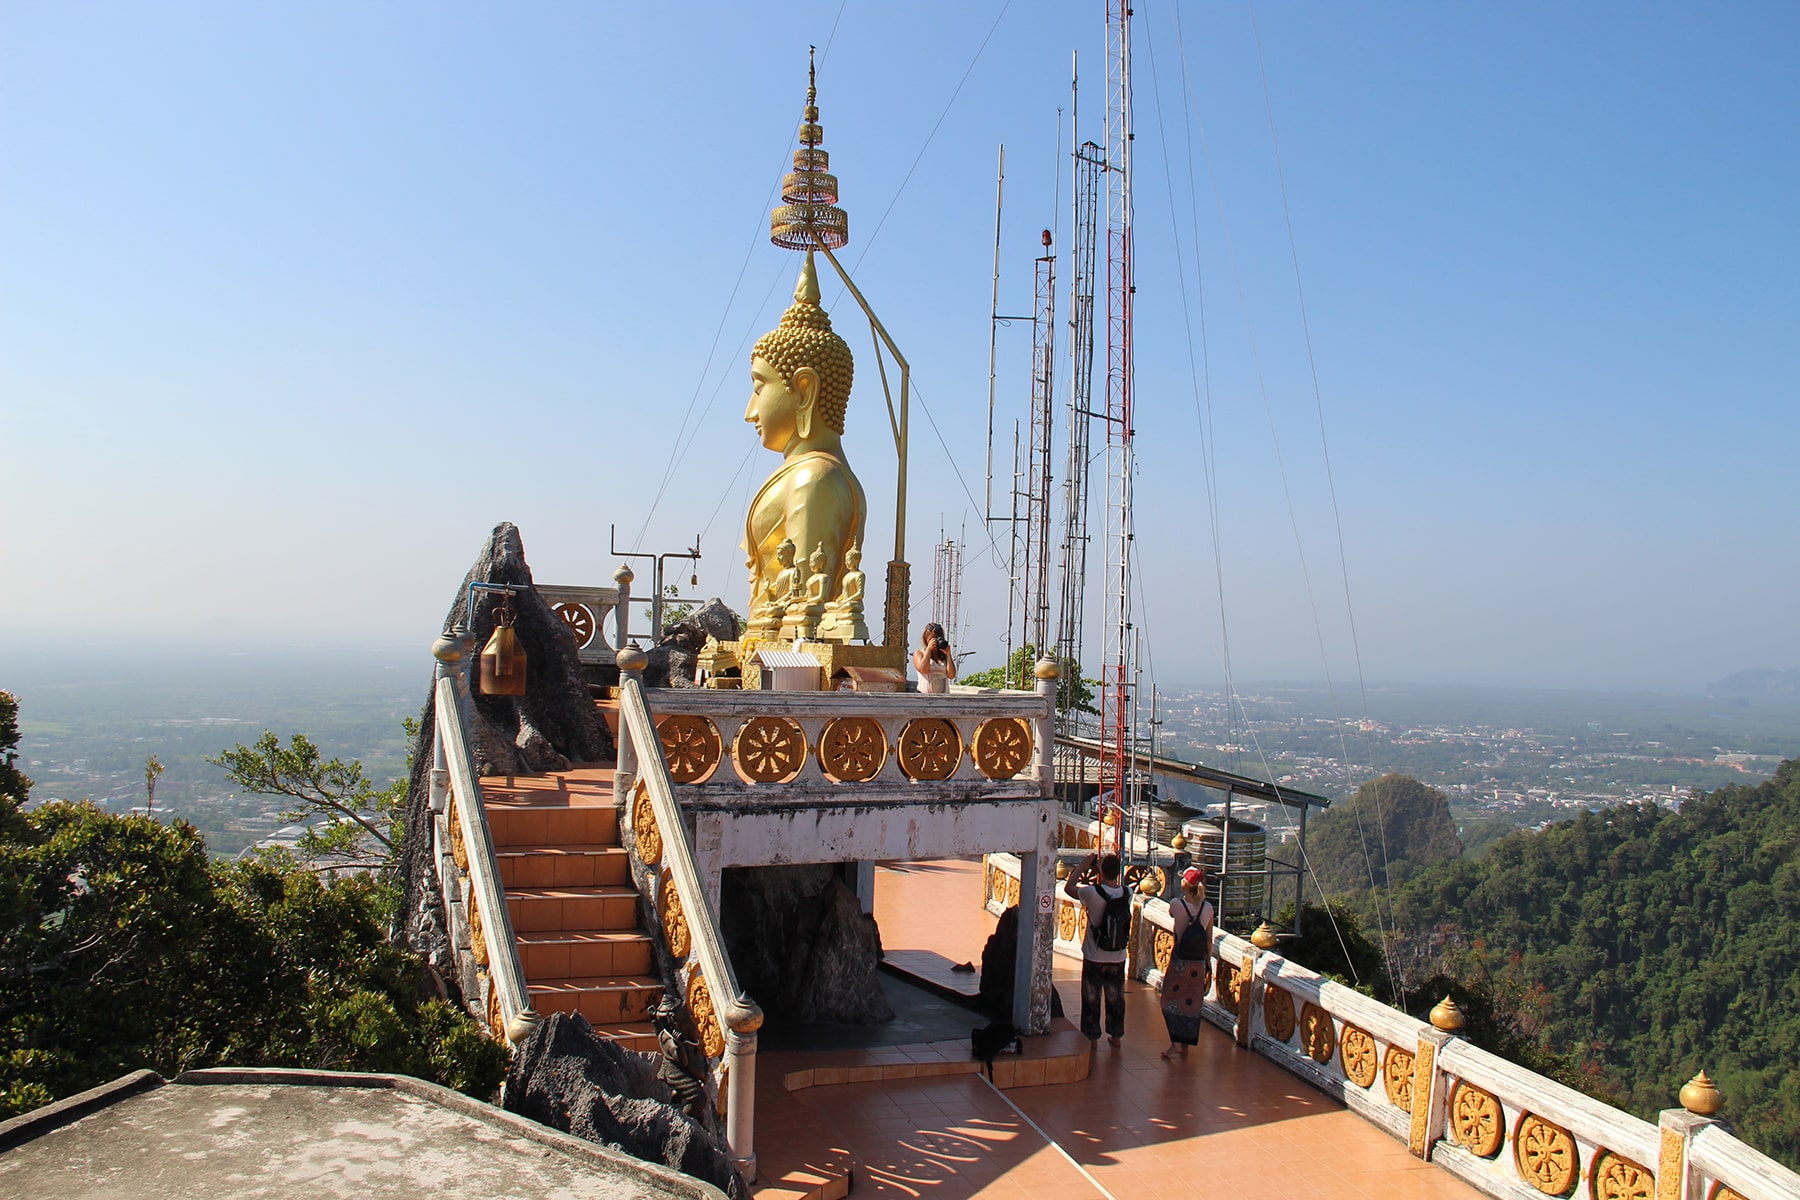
pixel 297 301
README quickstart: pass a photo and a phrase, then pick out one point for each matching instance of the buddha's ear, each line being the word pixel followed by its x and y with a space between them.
pixel 805 389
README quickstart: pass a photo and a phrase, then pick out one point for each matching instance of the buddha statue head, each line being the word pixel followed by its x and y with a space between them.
pixel 801 373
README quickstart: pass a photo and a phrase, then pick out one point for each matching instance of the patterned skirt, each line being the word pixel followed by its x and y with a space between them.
pixel 1184 990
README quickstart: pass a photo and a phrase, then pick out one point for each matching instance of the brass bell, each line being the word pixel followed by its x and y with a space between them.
pixel 503 659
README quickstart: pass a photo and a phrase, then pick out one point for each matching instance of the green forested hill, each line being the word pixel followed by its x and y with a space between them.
pixel 1643 943
pixel 1391 829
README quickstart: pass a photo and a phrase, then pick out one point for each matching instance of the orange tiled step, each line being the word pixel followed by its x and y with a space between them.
pixel 603 1000
pixel 543 910
pixel 633 1035
pixel 563 866
pixel 558 954
pixel 535 826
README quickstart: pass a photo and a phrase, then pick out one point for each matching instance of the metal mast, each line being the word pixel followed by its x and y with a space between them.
pixel 1117 723
pixel 946 587
pixel 1037 485
pixel 1088 165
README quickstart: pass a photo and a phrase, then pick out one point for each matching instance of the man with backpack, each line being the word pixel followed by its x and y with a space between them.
pixel 1108 904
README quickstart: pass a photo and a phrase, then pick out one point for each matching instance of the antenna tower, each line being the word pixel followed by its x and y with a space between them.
pixel 1089 161
pixel 1037 486
pixel 1117 719
pixel 946 587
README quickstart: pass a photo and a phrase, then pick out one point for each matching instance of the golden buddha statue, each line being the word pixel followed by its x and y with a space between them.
pixel 801 373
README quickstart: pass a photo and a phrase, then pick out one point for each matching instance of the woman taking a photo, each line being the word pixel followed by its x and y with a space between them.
pixel 933 661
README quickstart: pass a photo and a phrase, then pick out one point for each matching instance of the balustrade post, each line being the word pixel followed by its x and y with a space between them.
pixel 632 660
pixel 1431 1093
pixel 1676 1178
pixel 1249 992
pixel 1047 673
pixel 448 650
pixel 622 611
pixel 743 1020
pixel 1033 960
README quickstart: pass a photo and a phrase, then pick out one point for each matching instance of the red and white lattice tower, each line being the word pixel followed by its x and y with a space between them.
pixel 1117 725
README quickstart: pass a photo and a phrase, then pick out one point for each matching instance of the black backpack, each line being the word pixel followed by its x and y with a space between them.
pixel 1196 940
pixel 1113 930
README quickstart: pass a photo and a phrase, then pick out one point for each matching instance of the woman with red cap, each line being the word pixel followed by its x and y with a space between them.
pixel 1189 973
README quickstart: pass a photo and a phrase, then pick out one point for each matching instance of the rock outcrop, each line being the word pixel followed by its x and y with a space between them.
pixel 676 654
pixel 802 945
pixel 551 726
pixel 566 1076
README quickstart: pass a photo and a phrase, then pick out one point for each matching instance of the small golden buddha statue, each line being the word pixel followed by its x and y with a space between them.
pixel 770 605
pixel 801 373
pixel 843 620
pixel 804 613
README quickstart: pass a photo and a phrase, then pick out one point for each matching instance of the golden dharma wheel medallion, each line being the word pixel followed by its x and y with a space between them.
pixel 643 827
pixel 1618 1178
pixel 1545 1154
pixel 1397 1071
pixel 580 620
pixel 852 749
pixel 1278 1013
pixel 1164 948
pixel 769 750
pixel 1065 920
pixel 1002 747
pixel 1475 1120
pixel 930 748
pixel 1317 1033
pixel 674 920
pixel 1357 1051
pixel 700 1003
pixel 477 935
pixel 690 745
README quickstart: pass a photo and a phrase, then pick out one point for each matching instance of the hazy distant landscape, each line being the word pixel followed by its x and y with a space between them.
pixel 1506 758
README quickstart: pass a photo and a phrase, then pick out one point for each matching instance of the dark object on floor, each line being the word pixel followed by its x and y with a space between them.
pixel 569 1078
pixel 995 996
pixel 965 968
pixel 993 1040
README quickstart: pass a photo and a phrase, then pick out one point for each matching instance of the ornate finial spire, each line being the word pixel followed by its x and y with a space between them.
pixel 808 215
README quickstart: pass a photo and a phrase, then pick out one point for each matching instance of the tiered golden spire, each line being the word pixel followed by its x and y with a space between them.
pixel 809 216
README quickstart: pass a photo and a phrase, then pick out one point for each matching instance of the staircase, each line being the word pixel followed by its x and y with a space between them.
pixel 573 907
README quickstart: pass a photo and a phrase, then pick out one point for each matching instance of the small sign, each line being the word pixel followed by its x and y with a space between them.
pixel 1046 901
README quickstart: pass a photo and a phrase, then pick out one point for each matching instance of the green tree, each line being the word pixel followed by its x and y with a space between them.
pixel 1332 942
pixel 14 786
pixel 1073 692
pixel 348 818
pixel 1391 829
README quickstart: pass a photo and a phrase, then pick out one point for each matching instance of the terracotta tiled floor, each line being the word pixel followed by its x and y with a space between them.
pixel 1224 1120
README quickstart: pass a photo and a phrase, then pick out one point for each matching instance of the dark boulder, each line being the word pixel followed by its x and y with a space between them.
pixel 551 726
pixel 802 945
pixel 566 1076
pixel 673 659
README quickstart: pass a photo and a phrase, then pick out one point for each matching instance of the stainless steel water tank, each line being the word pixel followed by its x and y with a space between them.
pixel 1243 856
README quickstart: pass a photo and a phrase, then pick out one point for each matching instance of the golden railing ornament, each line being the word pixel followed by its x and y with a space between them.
pixel 808 216
pixel 1065 920
pixel 1317 1033
pixel 1475 1120
pixel 579 618
pixel 1618 1178
pixel 1545 1154
pixel 643 827
pixel 769 749
pixel 930 748
pixel 1164 948
pixel 1002 747
pixel 700 1003
pixel 1356 1050
pixel 1397 1073
pixel 674 920
pixel 1278 1013
pixel 691 746
pixel 852 749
